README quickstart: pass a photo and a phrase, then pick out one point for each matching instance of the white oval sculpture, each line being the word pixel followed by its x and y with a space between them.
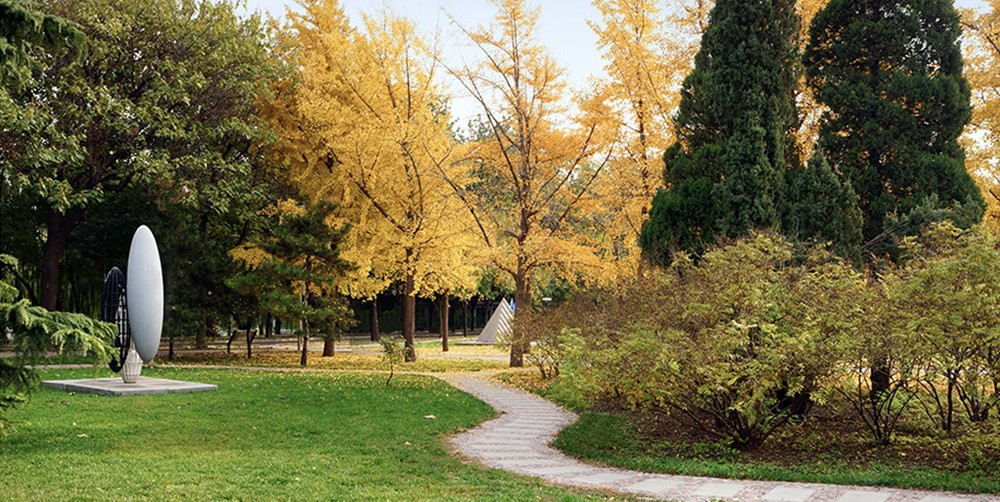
pixel 144 293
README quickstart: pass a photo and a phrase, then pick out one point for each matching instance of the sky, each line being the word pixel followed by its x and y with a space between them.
pixel 562 28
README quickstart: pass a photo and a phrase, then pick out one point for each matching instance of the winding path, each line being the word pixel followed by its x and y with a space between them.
pixel 518 441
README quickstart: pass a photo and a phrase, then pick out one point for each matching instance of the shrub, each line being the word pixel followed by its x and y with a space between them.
pixel 735 344
pixel 949 290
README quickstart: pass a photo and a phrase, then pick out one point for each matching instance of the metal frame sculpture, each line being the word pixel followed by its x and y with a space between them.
pixel 114 309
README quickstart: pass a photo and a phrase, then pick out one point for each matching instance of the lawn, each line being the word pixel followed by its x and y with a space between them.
pixel 262 436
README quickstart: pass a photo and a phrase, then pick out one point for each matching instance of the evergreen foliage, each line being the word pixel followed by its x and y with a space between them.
pixel 890 74
pixel 821 207
pixel 301 264
pixel 34 330
pixel 734 126
pixel 23 30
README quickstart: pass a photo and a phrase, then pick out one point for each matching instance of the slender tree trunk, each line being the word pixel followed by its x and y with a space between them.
pixel 307 297
pixel 229 343
pixel 304 360
pixel 58 227
pixel 250 339
pixel 951 401
pixel 329 342
pixel 269 328
pixel 373 319
pixel 879 373
pixel 879 378
pixel 522 302
pixel 444 312
pixel 409 318
pixel 170 350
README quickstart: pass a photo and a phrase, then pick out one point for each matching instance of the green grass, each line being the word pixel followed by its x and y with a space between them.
pixel 261 436
pixel 611 438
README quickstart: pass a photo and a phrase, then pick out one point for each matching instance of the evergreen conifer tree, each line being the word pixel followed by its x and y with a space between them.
pixel 822 207
pixel 734 126
pixel 301 263
pixel 890 75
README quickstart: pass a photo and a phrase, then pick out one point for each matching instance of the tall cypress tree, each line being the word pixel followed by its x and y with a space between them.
pixel 890 74
pixel 734 128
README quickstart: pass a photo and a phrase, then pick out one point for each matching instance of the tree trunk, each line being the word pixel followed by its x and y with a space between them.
pixel 879 378
pixel 443 311
pixel 304 360
pixel 200 336
pixel 229 343
pixel 373 319
pixel 522 302
pixel 250 338
pixel 58 227
pixel 409 319
pixel 329 341
pixel 269 328
pixel 170 350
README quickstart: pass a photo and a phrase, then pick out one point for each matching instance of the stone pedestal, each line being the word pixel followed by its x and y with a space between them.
pixel 132 367
pixel 114 387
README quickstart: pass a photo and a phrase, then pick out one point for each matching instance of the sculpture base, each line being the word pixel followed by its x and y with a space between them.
pixel 114 386
pixel 132 367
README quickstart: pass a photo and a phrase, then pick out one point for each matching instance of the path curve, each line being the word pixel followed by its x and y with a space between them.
pixel 518 441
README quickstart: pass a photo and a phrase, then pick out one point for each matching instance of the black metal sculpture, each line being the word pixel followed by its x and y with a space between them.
pixel 114 309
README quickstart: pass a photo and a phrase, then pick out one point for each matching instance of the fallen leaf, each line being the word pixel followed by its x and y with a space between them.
pixel 82 436
pixel 432 417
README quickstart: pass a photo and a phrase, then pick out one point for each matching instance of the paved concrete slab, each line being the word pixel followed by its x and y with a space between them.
pixel 527 462
pixel 656 486
pixel 936 498
pixel 114 386
pixel 603 478
pixel 789 494
pixel 560 469
pixel 863 496
pixel 719 489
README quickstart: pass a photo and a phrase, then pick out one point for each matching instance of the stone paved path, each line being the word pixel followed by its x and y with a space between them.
pixel 518 441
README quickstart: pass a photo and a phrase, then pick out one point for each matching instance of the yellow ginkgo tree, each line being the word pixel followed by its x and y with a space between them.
pixel 531 164
pixel 982 58
pixel 647 51
pixel 370 131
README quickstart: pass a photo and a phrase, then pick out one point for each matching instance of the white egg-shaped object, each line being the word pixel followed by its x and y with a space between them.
pixel 144 293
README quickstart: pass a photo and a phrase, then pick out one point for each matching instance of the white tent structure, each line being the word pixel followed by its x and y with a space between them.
pixel 500 324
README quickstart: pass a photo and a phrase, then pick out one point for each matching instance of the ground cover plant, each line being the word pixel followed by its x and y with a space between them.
pixel 262 436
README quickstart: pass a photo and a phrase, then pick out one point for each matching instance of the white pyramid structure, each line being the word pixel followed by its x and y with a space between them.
pixel 500 324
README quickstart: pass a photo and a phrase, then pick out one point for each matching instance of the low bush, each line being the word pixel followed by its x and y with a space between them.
pixel 754 333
